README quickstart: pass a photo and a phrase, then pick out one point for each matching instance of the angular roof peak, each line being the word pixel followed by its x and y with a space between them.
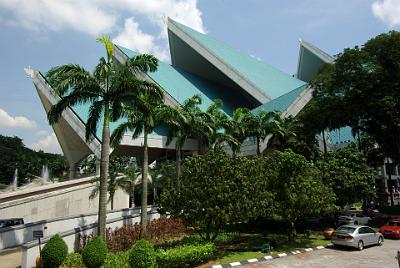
pixel 257 79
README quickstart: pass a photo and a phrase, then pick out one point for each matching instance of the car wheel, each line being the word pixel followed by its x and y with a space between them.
pixel 380 241
pixel 360 245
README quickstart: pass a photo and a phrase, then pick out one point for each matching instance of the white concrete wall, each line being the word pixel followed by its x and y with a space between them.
pixel 55 200
pixel 31 250
pixel 17 235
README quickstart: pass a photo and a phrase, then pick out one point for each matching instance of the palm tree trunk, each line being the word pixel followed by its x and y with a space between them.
pixel 324 141
pixel 112 200
pixel 178 169
pixel 144 187
pixel 104 163
pixel 132 205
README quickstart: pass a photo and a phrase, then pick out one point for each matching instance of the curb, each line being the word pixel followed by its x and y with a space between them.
pixel 269 257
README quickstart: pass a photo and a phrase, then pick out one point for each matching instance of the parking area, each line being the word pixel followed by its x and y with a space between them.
pixel 370 257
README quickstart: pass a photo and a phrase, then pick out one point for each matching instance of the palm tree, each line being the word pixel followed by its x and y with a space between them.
pixel 284 133
pixel 104 89
pixel 142 117
pixel 236 127
pixel 260 125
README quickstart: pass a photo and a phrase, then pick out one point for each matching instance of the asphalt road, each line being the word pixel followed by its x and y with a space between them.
pixel 370 257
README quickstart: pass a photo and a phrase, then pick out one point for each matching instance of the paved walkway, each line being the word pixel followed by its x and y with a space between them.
pixel 10 258
pixel 371 257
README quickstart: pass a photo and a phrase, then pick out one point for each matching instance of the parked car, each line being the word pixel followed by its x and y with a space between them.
pixel 356 236
pixel 391 229
pixel 11 222
pixel 354 218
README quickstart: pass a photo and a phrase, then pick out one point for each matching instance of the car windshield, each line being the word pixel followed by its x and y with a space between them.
pixel 394 223
pixel 346 229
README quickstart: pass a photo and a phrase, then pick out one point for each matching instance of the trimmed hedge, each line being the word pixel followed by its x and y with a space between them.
pixel 185 255
pixel 54 252
pixel 142 255
pixel 94 253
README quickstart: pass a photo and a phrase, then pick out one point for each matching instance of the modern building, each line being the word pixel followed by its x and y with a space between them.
pixel 200 65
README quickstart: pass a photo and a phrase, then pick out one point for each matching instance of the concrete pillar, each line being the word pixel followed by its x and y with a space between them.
pixel 72 171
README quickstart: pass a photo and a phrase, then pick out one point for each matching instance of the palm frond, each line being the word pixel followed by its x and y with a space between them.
pixel 143 63
pixel 119 132
pixel 95 113
pixel 108 44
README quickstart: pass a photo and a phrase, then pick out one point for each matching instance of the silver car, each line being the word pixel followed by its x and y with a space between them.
pixel 357 236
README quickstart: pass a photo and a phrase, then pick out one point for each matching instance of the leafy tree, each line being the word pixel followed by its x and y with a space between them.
pixel 360 90
pixel 349 175
pixel 14 154
pixel 284 133
pixel 142 116
pixel 104 89
pixel 298 189
pixel 218 189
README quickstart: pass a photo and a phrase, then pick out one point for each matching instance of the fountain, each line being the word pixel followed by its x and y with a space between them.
pixel 14 185
pixel 45 174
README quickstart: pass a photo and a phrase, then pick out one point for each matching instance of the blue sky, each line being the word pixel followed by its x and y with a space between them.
pixel 45 33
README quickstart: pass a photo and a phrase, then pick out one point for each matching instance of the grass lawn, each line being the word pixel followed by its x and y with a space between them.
pixel 247 246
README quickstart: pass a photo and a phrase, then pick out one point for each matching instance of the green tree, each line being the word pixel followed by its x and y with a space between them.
pixel 218 189
pixel 104 89
pixel 299 189
pixel 360 90
pixel 349 175
pixel 284 133
pixel 236 128
pixel 142 116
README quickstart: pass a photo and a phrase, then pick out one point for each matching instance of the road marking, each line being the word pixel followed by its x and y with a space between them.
pixel 252 260
pixel 235 263
pixel 320 247
pixel 268 257
pixel 282 255
pixel 308 249
pixel 217 266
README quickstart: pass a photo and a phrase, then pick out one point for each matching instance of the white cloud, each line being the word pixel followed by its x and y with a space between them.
pixel 42 133
pixel 9 121
pixel 134 38
pixel 48 144
pixel 103 16
pixel 388 11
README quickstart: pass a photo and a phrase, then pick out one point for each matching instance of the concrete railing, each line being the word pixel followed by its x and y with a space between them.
pixel 17 235
pixel 71 237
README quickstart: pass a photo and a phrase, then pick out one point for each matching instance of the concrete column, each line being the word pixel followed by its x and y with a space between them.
pixel 72 171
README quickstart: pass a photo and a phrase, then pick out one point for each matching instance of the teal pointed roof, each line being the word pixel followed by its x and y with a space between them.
pixel 269 80
pixel 182 85
pixel 311 58
pixel 281 103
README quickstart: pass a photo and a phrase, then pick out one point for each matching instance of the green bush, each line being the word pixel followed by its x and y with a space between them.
pixel 73 260
pixel 119 260
pixel 94 253
pixel 142 255
pixel 185 256
pixel 54 252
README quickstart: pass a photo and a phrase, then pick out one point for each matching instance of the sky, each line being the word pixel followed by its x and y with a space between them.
pixel 47 33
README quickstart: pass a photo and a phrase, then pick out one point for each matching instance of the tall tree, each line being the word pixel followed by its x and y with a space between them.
pixel 284 134
pixel 104 89
pixel 361 90
pixel 236 127
pixel 142 116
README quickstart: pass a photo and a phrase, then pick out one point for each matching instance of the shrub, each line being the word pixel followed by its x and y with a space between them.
pixel 120 260
pixel 73 260
pixel 54 252
pixel 94 253
pixel 123 238
pixel 142 255
pixel 185 255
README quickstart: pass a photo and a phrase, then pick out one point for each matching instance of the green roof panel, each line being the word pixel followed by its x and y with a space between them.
pixel 268 79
